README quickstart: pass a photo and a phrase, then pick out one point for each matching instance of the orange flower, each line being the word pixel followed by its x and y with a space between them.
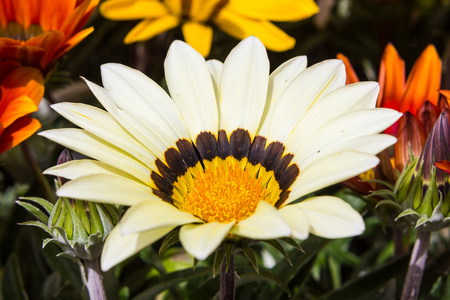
pixel 37 32
pixel 22 88
pixel 417 98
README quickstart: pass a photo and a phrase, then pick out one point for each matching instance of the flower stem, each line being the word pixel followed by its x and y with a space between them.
pixel 227 279
pixel 93 279
pixel 416 267
pixel 26 151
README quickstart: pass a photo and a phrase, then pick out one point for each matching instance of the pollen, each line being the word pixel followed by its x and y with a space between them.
pixel 225 193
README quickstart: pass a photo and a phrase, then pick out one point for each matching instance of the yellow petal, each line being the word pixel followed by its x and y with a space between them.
pixel 132 10
pixel 147 29
pixel 199 36
pixel 241 27
pixel 275 10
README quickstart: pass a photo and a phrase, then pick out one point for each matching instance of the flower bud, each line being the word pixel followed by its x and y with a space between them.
pixel 423 189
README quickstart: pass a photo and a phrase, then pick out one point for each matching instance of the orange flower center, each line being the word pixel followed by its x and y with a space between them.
pixel 227 192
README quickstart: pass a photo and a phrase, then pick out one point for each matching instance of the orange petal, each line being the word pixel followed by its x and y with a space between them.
pixel 391 78
pixel 12 110
pixel 23 81
pixel 18 132
pixel 424 81
pixel 351 74
pixel 72 42
pixel 444 165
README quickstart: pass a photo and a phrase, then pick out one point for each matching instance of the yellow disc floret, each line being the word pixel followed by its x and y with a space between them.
pixel 225 193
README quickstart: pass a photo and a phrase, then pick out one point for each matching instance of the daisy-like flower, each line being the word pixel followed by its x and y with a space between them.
pixel 226 155
pixel 37 32
pixel 21 90
pixel 238 18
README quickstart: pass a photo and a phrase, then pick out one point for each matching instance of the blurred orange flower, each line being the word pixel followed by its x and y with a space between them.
pixel 417 98
pixel 22 88
pixel 33 35
pixel 37 32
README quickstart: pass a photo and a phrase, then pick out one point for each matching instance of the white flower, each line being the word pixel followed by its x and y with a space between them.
pixel 225 154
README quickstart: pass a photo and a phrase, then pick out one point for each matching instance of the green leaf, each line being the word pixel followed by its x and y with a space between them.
pixel 436 267
pixel 38 224
pixel 248 252
pixel 218 260
pixel 12 284
pixel 48 206
pixel 280 248
pixel 170 239
pixel 263 275
pixel 34 210
pixel 172 279
pixel 293 243
pixel 373 281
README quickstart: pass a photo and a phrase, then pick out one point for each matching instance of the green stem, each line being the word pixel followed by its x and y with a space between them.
pixel 227 279
pixel 26 151
pixel 416 267
pixel 93 279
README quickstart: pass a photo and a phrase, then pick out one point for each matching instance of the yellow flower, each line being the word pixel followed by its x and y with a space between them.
pixel 227 154
pixel 238 18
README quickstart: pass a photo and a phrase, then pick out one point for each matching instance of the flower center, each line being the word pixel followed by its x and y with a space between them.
pixel 226 192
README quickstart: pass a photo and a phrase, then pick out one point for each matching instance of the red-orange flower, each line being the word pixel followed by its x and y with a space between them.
pixel 22 88
pixel 417 98
pixel 37 32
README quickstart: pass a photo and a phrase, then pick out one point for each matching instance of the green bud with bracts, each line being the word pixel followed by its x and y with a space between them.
pixel 77 226
pixel 423 190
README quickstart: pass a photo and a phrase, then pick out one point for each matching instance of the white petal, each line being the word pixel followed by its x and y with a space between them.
pixel 301 94
pixel 342 129
pixel 297 221
pixel 139 93
pixel 119 247
pixel 215 67
pixel 90 145
pixel 265 224
pixel 278 81
pixel 370 144
pixel 107 189
pixel 144 125
pixel 330 170
pixel 154 214
pixel 191 87
pixel 332 217
pixel 101 124
pixel 342 100
pixel 201 240
pixel 83 167
pixel 243 87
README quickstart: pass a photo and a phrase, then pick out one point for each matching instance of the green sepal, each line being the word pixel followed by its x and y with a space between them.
pixel 66 255
pixel 47 241
pixel 78 231
pixel 228 250
pixel 38 224
pixel 382 182
pixel 422 221
pixel 407 212
pixel 248 252
pixel 48 206
pixel 279 248
pixel 34 211
pixel 81 213
pixel 95 223
pixel 388 202
pixel 218 259
pixel 382 193
pixel 293 243
pixel 194 265
pixel 57 216
pixel 170 239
